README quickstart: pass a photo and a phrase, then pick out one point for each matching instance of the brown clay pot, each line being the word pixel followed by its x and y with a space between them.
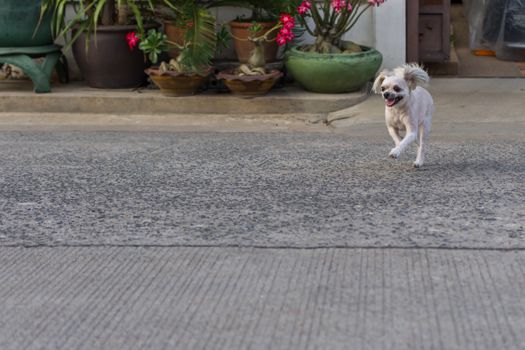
pixel 108 62
pixel 175 34
pixel 249 85
pixel 244 48
pixel 176 84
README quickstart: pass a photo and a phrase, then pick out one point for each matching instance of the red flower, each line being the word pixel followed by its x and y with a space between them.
pixel 132 40
pixel 304 7
pixel 338 5
pixel 376 2
pixel 287 21
pixel 281 40
pixel 284 39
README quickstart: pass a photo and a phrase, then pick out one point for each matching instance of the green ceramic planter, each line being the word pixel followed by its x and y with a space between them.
pixel 18 21
pixel 333 73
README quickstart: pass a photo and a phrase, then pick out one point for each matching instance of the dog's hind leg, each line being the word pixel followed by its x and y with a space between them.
pixel 424 132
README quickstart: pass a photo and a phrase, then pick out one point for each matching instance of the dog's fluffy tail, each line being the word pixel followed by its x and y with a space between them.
pixel 414 74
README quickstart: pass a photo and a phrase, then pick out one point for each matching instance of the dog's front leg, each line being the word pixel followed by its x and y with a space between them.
pixel 394 135
pixel 410 137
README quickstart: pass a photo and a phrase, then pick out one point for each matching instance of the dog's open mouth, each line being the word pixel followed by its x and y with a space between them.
pixel 391 102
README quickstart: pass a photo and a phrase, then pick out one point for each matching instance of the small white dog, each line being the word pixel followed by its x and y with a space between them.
pixel 409 108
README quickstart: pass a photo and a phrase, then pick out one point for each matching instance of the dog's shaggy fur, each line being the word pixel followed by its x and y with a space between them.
pixel 409 108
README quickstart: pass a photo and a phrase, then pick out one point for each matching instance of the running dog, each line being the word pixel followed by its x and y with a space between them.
pixel 409 108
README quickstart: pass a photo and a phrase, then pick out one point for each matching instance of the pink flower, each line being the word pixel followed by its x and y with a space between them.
pixel 287 21
pixel 132 40
pixel 281 40
pixel 349 8
pixel 285 32
pixel 284 37
pixel 376 2
pixel 304 7
pixel 338 5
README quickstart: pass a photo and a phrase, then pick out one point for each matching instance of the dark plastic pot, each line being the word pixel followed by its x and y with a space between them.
pixel 108 62
pixel 18 21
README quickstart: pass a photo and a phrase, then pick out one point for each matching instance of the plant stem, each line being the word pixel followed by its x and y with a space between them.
pixel 352 23
pixel 316 16
pixel 122 18
pixel 108 14
pixel 306 26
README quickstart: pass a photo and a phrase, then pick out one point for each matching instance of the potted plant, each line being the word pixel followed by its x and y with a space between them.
pixel 98 30
pixel 176 23
pixel 186 73
pixel 265 14
pixel 331 65
pixel 252 78
pixel 25 34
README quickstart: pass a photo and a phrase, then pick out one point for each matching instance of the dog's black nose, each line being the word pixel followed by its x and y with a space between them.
pixel 387 95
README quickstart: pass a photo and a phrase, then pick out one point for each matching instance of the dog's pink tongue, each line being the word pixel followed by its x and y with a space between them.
pixel 390 102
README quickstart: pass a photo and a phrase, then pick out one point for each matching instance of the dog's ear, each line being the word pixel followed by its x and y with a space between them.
pixel 379 81
pixel 414 75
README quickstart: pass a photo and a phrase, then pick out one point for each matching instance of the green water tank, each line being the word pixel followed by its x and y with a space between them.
pixel 18 21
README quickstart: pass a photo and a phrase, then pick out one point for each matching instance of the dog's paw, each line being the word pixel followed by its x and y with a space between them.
pixel 418 164
pixel 394 153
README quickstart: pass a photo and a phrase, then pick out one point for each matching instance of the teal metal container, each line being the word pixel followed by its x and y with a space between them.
pixel 18 21
pixel 333 73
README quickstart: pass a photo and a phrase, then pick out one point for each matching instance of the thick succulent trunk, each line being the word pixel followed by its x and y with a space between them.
pixel 257 59
pixel 325 44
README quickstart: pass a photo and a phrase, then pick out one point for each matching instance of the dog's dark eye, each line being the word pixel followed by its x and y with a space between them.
pixel 382 88
pixel 397 88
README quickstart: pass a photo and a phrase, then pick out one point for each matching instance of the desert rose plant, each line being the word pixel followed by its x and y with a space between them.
pixel 256 63
pixel 332 19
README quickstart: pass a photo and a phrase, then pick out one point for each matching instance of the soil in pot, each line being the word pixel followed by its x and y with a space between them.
pixel 249 85
pixel 108 62
pixel 176 84
pixel 244 48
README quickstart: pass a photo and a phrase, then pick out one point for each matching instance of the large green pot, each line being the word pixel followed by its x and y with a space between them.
pixel 333 73
pixel 18 21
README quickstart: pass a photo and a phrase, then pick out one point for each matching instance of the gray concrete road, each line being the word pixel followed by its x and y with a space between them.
pixel 257 189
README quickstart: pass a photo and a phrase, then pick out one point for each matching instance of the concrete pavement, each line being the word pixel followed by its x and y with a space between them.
pixel 224 298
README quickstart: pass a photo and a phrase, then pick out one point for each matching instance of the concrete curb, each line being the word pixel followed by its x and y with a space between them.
pixel 17 97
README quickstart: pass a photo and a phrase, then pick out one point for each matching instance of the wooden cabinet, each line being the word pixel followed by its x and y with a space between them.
pixel 428 30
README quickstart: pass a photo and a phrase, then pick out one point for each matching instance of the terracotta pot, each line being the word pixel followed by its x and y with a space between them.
pixel 249 85
pixel 176 84
pixel 175 34
pixel 108 62
pixel 245 48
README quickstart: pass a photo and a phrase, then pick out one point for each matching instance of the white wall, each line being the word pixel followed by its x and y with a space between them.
pixel 390 32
